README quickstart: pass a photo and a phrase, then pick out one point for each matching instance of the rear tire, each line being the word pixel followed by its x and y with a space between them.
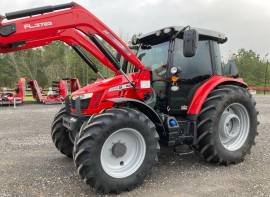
pixel 227 125
pixel 60 135
pixel 116 150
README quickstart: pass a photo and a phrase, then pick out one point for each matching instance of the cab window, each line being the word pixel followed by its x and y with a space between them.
pixel 193 67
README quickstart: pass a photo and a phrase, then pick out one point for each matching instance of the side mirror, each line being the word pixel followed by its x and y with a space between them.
pixel 190 42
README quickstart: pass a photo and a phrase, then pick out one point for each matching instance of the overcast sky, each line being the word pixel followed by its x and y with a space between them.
pixel 245 22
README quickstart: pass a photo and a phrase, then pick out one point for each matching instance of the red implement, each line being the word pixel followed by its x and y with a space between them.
pixel 17 97
pixel 57 95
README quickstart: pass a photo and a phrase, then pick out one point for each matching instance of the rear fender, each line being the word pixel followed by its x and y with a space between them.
pixel 206 88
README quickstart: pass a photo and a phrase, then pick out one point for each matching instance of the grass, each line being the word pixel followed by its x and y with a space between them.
pixel 29 98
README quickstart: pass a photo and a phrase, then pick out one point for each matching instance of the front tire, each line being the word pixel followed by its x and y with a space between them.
pixel 116 150
pixel 60 134
pixel 227 125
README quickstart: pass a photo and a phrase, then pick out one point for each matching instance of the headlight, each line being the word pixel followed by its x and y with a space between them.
pixel 158 33
pixel 167 30
pixel 174 70
pixel 83 96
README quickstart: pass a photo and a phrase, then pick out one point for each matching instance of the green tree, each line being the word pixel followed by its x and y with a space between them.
pixel 251 66
pixel 46 64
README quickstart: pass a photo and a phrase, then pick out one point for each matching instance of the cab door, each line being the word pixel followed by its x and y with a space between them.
pixel 193 71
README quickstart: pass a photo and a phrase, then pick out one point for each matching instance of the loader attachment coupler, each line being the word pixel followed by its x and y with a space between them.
pixel 39 10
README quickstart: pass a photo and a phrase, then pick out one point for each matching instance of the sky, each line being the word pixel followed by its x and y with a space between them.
pixel 246 23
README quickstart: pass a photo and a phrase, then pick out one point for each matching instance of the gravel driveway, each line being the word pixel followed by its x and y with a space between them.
pixel 30 165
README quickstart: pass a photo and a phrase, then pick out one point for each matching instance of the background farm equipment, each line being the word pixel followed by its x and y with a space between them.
pixel 59 90
pixel 14 97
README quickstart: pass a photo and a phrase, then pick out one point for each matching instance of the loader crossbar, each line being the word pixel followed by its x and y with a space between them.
pixel 39 10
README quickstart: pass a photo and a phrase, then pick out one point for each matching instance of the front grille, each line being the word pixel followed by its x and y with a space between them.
pixel 84 103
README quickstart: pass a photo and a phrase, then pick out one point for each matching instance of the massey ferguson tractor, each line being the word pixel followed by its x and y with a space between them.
pixel 172 92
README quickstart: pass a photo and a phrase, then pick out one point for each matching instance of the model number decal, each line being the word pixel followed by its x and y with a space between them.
pixel 120 87
pixel 145 84
pixel 37 25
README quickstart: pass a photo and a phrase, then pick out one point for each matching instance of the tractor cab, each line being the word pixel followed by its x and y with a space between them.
pixel 174 76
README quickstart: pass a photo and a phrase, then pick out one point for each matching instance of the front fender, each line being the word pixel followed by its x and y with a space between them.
pixel 144 108
pixel 204 90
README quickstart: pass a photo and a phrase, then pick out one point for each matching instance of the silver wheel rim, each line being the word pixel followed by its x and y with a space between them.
pixel 130 160
pixel 234 126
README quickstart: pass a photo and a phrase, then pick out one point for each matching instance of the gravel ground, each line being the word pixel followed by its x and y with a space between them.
pixel 30 165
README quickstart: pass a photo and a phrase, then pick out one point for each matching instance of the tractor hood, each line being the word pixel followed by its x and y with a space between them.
pixel 97 96
pixel 100 86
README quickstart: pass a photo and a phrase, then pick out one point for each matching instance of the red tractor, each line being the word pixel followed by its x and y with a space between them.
pixel 172 92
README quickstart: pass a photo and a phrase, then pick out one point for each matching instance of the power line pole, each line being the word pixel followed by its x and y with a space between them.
pixel 266 76
pixel 266 71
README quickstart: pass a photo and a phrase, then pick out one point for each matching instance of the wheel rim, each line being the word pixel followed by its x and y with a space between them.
pixel 123 153
pixel 234 126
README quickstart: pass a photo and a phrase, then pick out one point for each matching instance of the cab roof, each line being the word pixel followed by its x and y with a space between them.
pixel 158 35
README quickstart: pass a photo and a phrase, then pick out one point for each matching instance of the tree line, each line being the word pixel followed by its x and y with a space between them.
pixel 47 64
pixel 57 61
pixel 252 67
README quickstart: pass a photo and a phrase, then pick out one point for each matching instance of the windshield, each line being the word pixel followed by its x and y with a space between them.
pixel 155 55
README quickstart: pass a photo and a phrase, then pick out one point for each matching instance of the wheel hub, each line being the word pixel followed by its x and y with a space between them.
pixel 123 153
pixel 231 125
pixel 119 149
pixel 234 126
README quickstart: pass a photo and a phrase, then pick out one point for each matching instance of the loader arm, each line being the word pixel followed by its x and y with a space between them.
pixel 70 23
